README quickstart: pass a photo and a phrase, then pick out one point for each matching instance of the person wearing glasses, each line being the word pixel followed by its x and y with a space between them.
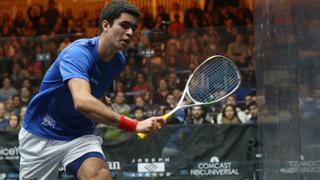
pixel 59 125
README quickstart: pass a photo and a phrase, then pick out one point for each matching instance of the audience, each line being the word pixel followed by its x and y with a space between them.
pixel 182 39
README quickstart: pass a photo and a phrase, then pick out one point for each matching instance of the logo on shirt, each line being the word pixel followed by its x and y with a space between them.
pixel 48 121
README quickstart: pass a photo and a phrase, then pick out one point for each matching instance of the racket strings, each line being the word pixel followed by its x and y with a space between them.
pixel 213 80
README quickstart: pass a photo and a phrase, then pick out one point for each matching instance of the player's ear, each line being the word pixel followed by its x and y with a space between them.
pixel 105 25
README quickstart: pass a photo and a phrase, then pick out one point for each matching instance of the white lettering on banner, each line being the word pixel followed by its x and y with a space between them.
pixel 114 165
pixel 213 172
pixel 214 168
pixel 301 167
pixel 9 153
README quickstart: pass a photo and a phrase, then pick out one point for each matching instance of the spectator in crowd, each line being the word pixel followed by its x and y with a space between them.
pixel 253 113
pixel 13 122
pixel 173 81
pixel 138 113
pixel 16 104
pixel 35 12
pixel 141 86
pixel 3 119
pixel 197 116
pixel 171 101
pixel 119 86
pixel 51 14
pixel 161 92
pixel 67 15
pixel 232 99
pixel 7 91
pixel 19 22
pixel 237 51
pixel 227 33
pixel 22 113
pixel 143 102
pixel 229 115
pixel 119 105
pixel 128 78
pixel 164 15
pixel 211 42
pixel 193 13
pixel 146 18
pixel 176 12
pixel 28 29
pixel 18 73
pixel 176 26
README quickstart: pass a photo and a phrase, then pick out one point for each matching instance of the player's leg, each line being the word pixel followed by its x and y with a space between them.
pixel 85 159
pixel 38 160
pixel 94 168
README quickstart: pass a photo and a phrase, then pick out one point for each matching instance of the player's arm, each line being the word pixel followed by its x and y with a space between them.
pixel 94 109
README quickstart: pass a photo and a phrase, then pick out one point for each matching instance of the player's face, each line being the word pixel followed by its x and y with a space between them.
pixel 122 30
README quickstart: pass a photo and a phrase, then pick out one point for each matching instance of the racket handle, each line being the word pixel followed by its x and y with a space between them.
pixel 142 136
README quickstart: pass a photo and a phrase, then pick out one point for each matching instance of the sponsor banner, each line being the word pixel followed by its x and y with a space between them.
pixel 175 152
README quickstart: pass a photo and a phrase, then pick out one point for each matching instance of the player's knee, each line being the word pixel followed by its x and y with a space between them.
pixel 97 174
pixel 102 173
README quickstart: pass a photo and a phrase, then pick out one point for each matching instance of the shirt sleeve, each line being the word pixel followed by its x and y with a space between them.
pixel 75 63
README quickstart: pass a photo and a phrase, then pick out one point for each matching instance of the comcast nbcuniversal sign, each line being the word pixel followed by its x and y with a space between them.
pixel 214 168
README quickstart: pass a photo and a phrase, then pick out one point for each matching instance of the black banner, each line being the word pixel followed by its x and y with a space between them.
pixel 176 152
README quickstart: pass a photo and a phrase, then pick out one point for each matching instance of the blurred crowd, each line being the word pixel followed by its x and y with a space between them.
pixel 165 49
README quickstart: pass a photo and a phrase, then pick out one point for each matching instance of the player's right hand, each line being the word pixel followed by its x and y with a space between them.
pixel 152 124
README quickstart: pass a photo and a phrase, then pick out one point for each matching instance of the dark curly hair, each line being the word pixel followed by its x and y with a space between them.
pixel 113 10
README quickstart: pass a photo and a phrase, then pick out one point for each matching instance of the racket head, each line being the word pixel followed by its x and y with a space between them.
pixel 213 80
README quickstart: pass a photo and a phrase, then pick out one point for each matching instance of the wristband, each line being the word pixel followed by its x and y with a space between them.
pixel 127 124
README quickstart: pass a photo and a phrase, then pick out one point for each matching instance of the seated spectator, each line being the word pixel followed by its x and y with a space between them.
pixel 232 99
pixel 176 26
pixel 16 104
pixel 179 115
pixel 51 14
pixel 7 91
pixel 19 22
pixel 18 74
pixel 140 102
pixel 13 123
pixel 142 86
pixel 212 45
pixel 229 115
pixel 22 113
pixel 25 95
pixel 176 11
pixel 162 92
pixel 253 113
pixel 119 105
pixel 238 51
pixel 173 81
pixel 138 113
pixel 197 116
pixel 3 119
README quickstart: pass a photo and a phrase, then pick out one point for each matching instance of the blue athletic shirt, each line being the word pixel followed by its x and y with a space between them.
pixel 51 113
